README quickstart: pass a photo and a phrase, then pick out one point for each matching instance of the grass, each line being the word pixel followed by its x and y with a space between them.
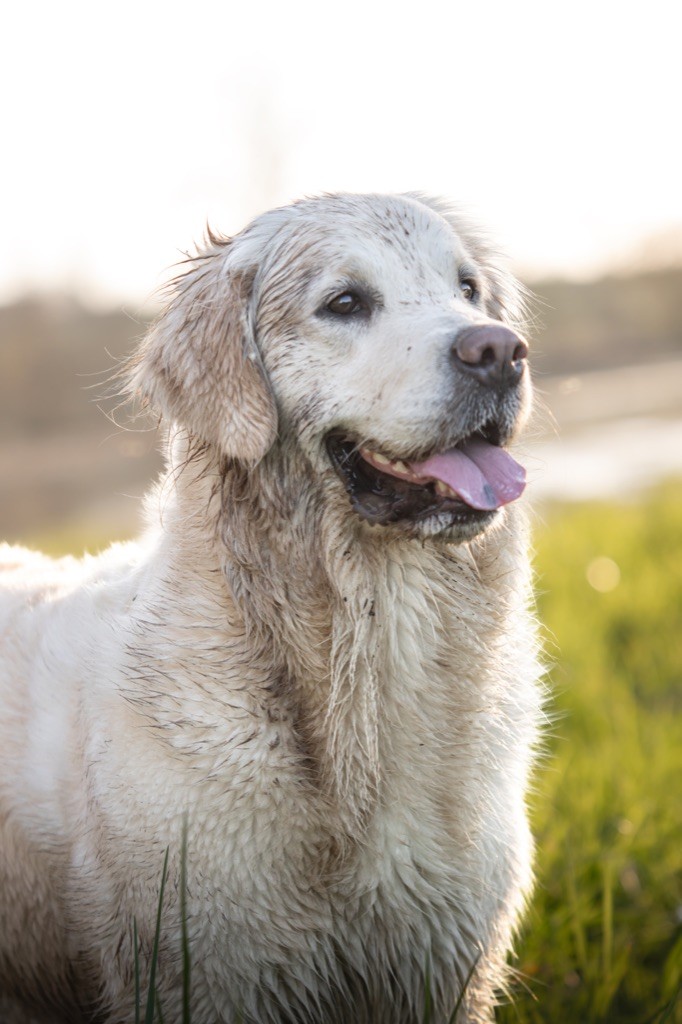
pixel 602 943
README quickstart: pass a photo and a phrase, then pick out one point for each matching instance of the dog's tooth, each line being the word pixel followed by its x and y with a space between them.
pixel 381 459
pixel 400 466
pixel 444 489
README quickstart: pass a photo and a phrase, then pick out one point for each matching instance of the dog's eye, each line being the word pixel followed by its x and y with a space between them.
pixel 345 304
pixel 468 290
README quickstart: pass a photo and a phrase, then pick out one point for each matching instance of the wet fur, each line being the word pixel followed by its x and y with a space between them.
pixel 343 716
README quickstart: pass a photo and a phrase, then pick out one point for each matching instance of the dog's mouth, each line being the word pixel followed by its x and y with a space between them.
pixel 468 482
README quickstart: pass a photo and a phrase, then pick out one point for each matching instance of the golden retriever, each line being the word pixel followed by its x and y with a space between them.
pixel 318 664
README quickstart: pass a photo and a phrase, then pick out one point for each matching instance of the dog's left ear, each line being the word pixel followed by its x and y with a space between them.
pixel 200 366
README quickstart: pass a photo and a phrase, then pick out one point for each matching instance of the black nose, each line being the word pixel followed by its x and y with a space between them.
pixel 493 354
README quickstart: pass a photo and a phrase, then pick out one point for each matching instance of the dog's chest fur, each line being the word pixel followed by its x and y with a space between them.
pixel 340 839
pixel 338 845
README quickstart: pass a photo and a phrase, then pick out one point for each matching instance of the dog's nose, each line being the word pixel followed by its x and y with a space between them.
pixel 492 353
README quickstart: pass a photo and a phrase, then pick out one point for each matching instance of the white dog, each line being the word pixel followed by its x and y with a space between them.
pixel 318 663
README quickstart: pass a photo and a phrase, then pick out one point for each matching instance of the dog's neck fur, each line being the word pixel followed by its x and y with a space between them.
pixel 365 694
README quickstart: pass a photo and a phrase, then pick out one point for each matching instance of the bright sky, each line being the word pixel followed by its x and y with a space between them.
pixel 125 127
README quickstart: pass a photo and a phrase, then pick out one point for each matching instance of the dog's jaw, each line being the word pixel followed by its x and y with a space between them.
pixel 417 499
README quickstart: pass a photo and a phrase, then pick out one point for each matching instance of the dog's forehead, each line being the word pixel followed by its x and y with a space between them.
pixel 403 235
pixel 358 234
pixel 393 220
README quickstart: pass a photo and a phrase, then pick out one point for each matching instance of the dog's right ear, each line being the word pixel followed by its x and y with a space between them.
pixel 199 364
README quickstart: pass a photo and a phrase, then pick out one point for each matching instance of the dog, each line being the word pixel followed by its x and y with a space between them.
pixel 314 683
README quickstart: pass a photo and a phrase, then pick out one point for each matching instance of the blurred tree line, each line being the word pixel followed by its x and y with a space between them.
pixel 614 321
pixel 60 453
pixel 55 354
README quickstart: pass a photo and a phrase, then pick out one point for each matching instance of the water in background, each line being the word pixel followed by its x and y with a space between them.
pixel 605 433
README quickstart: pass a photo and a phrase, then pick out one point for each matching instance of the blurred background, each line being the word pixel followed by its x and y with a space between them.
pixel 126 129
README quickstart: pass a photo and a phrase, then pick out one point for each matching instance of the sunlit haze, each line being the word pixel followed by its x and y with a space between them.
pixel 126 128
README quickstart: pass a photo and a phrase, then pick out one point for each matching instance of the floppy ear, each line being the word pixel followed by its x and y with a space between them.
pixel 199 364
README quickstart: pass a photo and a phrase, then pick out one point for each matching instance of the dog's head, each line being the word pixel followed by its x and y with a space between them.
pixel 376 333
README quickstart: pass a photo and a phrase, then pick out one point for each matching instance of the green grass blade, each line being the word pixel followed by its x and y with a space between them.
pixel 460 998
pixel 607 919
pixel 427 991
pixel 137 971
pixel 186 963
pixel 151 994
pixel 577 925
pixel 667 1012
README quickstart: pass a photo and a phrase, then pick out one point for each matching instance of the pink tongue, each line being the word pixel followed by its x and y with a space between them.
pixel 483 475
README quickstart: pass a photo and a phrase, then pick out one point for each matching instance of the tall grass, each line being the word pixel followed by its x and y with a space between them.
pixel 153 1012
pixel 603 941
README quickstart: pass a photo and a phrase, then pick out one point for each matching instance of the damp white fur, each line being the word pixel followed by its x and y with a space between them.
pixel 341 716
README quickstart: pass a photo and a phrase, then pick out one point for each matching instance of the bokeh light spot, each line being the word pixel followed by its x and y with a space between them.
pixel 603 574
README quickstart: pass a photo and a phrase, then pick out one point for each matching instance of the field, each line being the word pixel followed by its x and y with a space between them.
pixel 603 940
pixel 602 943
